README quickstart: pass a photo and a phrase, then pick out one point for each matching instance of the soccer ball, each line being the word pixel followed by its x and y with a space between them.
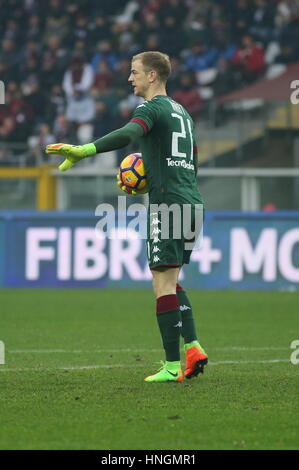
pixel 132 174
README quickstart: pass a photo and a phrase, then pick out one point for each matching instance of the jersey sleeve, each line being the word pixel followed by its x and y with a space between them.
pixel 145 115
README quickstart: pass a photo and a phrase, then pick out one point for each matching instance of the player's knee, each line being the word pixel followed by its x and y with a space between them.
pixel 165 289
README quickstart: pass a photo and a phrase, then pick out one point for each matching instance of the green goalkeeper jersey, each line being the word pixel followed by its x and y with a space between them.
pixel 168 150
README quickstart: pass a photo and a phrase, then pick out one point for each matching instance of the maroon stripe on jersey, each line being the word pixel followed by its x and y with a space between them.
pixel 142 123
pixel 167 303
pixel 195 149
pixel 179 288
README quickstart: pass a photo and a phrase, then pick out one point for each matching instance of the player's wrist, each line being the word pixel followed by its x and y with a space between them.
pixel 89 150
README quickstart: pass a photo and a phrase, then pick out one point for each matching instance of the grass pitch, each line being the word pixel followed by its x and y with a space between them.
pixel 76 359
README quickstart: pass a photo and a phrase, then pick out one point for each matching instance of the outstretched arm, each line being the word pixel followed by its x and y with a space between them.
pixel 112 141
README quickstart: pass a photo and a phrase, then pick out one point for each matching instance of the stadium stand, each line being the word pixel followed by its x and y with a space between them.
pixel 58 59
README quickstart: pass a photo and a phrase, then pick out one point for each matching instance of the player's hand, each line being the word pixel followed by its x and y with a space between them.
pixel 72 154
pixel 122 186
pixel 134 192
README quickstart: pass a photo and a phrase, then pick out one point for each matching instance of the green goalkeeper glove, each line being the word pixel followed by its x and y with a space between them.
pixel 72 153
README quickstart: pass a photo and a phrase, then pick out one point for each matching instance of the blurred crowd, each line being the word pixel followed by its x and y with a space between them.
pixel 65 65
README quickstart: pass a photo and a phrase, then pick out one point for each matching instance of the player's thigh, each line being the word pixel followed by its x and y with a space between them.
pixel 164 245
pixel 193 233
pixel 165 280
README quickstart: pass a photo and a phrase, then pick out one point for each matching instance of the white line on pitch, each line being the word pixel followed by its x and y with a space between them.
pixel 123 366
pixel 82 351
pixel 41 369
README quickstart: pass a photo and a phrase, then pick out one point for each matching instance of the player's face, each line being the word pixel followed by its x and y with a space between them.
pixel 139 79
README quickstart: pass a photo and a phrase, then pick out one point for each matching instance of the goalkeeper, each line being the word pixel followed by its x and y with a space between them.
pixel 166 134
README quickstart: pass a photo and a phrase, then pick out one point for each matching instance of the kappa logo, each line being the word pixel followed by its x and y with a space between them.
pixel 156 249
pixel 156 240
pixel 155 221
pixel 184 307
pixel 156 231
pixel 156 258
pixel 180 324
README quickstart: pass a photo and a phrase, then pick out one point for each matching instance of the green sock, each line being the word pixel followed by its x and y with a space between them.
pixel 170 323
pixel 191 345
pixel 173 366
pixel 188 326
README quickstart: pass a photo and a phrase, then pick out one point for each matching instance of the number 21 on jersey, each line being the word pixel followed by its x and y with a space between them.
pixel 181 135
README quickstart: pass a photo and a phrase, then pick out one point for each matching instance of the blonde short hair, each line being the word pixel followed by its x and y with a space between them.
pixel 153 60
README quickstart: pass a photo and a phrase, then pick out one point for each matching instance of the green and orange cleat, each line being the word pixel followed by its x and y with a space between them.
pixel 196 359
pixel 169 372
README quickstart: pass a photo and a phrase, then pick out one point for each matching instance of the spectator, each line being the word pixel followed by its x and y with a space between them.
pixel 151 6
pixel 175 9
pixel 99 29
pixel 35 97
pixel 80 31
pixel 62 128
pixel 104 52
pixel 120 79
pixel 38 142
pixel 287 56
pixel 56 26
pixel 13 31
pixel 49 74
pixel 7 123
pixel 7 129
pixel 29 69
pixel 150 26
pixel 197 30
pixel 6 74
pixel 78 79
pixel 9 53
pixel 225 50
pixel 123 35
pixel 107 96
pixel 201 58
pixel 188 95
pixel 77 84
pixel 262 26
pixel 55 9
pixel 56 103
pixel 169 37
pixel 290 34
pixel 103 76
pixel 31 50
pixel 241 19
pixel 225 80
pixel 34 29
pixel 80 48
pixel 173 82
pixel 249 59
pixel 20 112
pixel 153 43
pixel 220 30
pixel 55 52
pixel 102 120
